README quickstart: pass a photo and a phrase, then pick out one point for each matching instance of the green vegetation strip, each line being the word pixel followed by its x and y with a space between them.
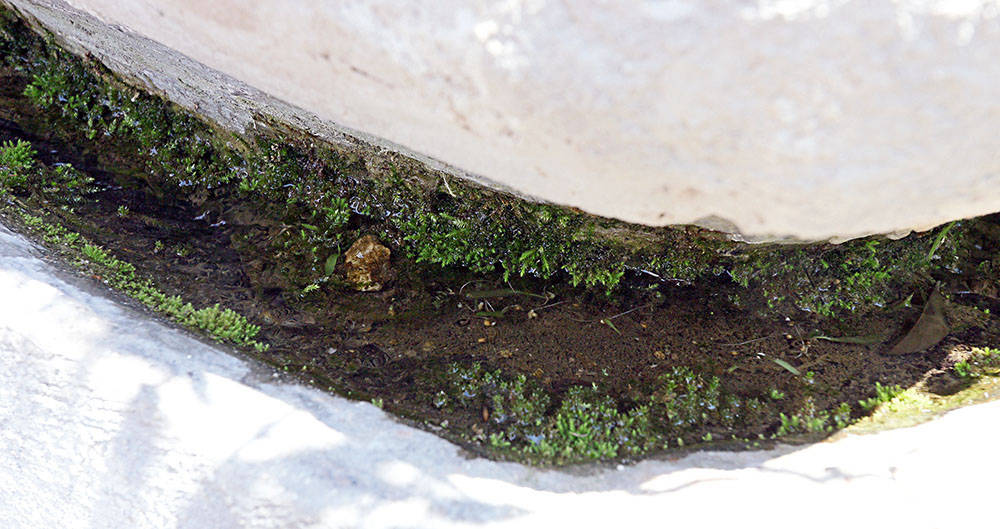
pixel 17 168
pixel 328 196
pixel 684 408
pixel 324 198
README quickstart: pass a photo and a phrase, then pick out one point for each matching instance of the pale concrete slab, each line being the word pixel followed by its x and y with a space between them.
pixel 109 419
pixel 801 118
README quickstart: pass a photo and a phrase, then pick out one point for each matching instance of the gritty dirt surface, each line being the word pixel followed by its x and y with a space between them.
pixel 112 420
pixel 394 344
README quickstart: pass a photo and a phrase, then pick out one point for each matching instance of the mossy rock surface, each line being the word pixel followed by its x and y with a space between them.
pixel 331 190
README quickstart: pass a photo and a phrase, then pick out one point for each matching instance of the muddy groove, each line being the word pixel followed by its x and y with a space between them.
pixel 663 363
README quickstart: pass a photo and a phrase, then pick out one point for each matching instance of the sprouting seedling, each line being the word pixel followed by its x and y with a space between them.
pixel 939 239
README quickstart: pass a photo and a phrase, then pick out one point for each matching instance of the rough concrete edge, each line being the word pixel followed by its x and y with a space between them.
pixel 189 84
pixel 185 82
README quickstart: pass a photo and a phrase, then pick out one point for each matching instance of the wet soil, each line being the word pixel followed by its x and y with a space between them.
pixel 395 344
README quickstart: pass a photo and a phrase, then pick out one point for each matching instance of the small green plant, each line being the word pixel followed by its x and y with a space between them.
pixel 981 362
pixel 883 394
pixel 963 369
pixel 498 440
pixel 842 415
pixel 776 394
pixel 515 404
pixel 51 233
pixel 809 419
pixel 64 183
pixel 588 425
pixel 123 211
pixel 687 398
pixel 222 324
pixel 16 160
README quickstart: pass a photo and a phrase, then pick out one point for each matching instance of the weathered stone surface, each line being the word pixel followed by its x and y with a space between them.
pixel 808 118
pixel 366 264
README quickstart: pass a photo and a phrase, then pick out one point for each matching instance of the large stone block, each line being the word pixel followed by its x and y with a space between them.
pixel 776 118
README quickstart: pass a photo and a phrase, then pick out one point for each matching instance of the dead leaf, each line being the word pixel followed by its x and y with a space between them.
pixel 930 329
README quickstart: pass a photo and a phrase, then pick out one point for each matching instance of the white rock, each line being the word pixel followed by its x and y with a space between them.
pixel 804 118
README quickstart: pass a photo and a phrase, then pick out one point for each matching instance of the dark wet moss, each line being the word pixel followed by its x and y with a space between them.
pixel 586 423
pixel 860 276
pixel 325 195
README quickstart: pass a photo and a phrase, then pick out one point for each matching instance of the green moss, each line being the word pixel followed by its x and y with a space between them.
pixel 588 425
pixel 325 195
pixel 809 419
pixel 858 276
pixel 685 408
pixel 883 394
pixel 515 406
pixel 220 323
pixel 16 161
pixel 689 399
pixel 981 362
pixel 842 415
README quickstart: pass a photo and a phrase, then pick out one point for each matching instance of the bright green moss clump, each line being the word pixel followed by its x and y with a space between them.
pixel 16 160
pixel 60 185
pixel 221 324
pixel 587 423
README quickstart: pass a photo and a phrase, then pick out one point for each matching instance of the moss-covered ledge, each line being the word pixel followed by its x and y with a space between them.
pixel 325 193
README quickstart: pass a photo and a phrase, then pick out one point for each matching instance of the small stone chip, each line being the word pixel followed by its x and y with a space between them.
pixel 366 264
